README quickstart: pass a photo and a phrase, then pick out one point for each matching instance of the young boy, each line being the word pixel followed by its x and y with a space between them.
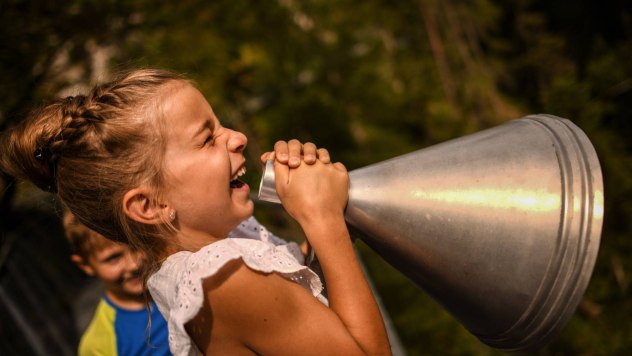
pixel 120 325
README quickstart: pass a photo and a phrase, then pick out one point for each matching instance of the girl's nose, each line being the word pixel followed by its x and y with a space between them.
pixel 237 141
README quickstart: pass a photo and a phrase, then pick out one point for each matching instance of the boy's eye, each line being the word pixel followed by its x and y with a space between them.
pixel 209 139
pixel 112 259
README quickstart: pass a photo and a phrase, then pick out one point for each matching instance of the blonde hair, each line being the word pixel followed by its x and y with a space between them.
pixel 91 149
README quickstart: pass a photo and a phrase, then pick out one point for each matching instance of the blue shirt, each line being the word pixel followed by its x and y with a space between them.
pixel 117 331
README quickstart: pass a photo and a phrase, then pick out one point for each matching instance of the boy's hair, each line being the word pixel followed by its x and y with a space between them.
pixel 83 241
pixel 91 149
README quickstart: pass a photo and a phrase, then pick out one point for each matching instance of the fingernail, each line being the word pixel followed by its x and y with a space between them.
pixel 294 160
pixel 283 156
pixel 309 157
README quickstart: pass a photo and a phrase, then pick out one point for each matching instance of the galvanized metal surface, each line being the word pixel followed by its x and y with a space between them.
pixel 501 227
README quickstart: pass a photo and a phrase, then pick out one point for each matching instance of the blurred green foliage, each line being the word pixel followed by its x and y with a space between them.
pixel 369 80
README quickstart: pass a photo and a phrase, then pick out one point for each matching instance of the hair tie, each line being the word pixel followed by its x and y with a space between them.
pixel 42 155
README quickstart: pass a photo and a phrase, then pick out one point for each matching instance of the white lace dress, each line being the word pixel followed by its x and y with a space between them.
pixel 177 286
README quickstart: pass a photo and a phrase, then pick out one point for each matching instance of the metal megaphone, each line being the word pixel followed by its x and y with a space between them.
pixel 500 227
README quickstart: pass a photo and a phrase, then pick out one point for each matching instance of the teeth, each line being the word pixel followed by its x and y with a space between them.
pixel 239 173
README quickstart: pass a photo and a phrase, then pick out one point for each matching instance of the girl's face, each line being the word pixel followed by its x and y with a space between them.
pixel 203 161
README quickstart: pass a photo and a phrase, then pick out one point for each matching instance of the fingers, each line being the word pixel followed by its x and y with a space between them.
pixel 295 149
pixel 309 153
pixel 293 152
pixel 266 156
pixel 281 174
pixel 281 151
pixel 289 153
pixel 323 155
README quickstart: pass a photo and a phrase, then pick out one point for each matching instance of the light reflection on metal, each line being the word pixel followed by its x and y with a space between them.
pixel 501 227
pixel 494 199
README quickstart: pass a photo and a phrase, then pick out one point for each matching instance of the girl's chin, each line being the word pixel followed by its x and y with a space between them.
pixel 242 197
pixel 251 208
pixel 245 212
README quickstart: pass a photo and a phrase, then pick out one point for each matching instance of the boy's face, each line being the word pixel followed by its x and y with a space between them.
pixel 118 267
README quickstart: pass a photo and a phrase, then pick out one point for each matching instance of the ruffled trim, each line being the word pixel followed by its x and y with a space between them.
pixel 189 294
pixel 252 229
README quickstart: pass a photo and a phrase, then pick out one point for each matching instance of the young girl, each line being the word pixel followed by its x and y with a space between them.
pixel 144 160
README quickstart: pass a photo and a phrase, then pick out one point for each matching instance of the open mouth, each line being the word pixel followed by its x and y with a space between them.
pixel 235 182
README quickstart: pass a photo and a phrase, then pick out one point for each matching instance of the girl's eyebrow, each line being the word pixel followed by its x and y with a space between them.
pixel 207 124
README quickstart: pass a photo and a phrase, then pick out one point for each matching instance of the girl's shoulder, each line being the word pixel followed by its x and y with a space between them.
pixel 177 287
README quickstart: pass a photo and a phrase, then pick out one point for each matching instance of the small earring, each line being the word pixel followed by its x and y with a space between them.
pixel 172 215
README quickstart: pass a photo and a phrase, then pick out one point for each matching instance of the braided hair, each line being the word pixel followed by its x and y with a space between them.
pixel 76 119
pixel 90 149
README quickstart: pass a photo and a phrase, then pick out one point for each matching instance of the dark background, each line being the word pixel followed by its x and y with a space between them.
pixel 367 79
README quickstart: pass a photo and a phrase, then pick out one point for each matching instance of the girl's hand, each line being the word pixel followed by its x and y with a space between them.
pixel 313 193
pixel 293 152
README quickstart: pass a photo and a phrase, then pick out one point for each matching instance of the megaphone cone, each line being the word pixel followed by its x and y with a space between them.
pixel 500 227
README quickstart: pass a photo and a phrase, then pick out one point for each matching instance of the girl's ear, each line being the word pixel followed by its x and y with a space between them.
pixel 139 207
pixel 82 264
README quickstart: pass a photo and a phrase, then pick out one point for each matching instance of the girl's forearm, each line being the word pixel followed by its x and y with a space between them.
pixel 349 293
